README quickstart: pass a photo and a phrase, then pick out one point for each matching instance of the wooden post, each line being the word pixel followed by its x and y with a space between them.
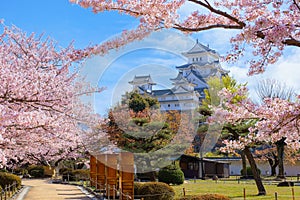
pixel 108 192
pixel 100 171
pixel 93 162
pixel 126 174
pixel 293 193
pixel 276 196
pixel 244 193
pixel 111 173
pixel 183 191
pixel 114 194
pixel 5 193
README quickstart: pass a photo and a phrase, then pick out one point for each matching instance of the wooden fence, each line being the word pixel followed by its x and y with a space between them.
pixel 113 174
pixel 8 191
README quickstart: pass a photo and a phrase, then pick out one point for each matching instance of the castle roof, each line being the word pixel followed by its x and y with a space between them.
pixel 142 80
pixel 188 65
pixel 199 48
pixel 162 92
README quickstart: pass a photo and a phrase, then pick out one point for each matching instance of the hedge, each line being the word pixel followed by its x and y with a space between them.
pixel 171 175
pixel 137 188
pixel 81 174
pixel 74 175
pixel 154 190
pixel 36 171
pixel 9 179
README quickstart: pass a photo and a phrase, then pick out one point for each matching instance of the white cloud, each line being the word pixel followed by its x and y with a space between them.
pixel 156 55
pixel 286 70
pixel 118 67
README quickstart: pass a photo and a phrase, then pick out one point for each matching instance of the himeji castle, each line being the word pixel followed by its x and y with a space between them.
pixel 188 86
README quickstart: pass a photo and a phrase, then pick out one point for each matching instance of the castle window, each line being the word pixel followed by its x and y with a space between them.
pixel 169 105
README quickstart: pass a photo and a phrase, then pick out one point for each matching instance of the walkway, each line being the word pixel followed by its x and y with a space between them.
pixel 36 189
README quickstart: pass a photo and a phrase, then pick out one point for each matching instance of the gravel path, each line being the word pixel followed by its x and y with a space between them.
pixel 36 189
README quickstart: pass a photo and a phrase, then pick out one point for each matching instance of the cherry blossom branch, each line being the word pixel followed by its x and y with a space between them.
pixel 219 12
pixel 296 4
pixel 187 29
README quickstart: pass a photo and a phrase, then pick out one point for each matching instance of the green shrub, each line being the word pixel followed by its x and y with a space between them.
pixel 74 175
pixel 206 197
pixel 36 171
pixel 64 170
pixel 171 174
pixel 48 171
pixel 249 172
pixel 20 171
pixel 68 176
pixel 81 174
pixel 156 190
pixel 8 179
pixel 137 188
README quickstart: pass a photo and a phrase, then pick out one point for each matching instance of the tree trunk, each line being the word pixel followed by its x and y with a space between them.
pixel 244 164
pixel 280 150
pixel 260 187
pixel 273 166
pixel 273 163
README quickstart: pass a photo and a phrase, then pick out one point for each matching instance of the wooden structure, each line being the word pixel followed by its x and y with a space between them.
pixel 100 173
pixel 194 167
pixel 93 171
pixel 126 174
pixel 112 173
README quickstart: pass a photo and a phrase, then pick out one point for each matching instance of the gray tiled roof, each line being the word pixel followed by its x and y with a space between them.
pixel 142 79
pixel 162 92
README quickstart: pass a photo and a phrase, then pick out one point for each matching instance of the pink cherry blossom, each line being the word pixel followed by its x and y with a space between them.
pixel 40 99
pixel 276 119
pixel 265 27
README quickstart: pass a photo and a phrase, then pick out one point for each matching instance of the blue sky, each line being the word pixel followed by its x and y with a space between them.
pixel 158 54
pixel 63 21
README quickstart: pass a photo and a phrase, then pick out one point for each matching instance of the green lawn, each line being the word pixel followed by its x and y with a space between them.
pixel 235 190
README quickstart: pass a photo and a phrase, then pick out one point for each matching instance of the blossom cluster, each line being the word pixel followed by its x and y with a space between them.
pixel 275 119
pixel 265 26
pixel 39 99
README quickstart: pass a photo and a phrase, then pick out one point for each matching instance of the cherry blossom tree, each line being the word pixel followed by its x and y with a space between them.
pixel 265 26
pixel 270 88
pixel 280 126
pixel 276 121
pixel 40 99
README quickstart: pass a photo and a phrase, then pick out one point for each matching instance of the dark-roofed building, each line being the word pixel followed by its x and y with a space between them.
pixel 188 86
pixel 194 167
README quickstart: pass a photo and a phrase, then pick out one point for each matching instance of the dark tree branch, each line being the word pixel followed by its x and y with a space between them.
pixel 219 12
pixel 296 4
pixel 186 29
